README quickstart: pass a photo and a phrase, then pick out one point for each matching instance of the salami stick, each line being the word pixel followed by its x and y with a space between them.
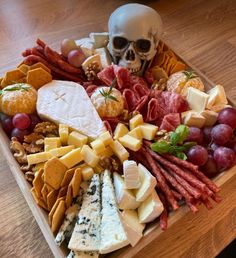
pixel 40 43
pixel 177 195
pixel 187 176
pixel 32 59
pixel 164 214
pixel 161 180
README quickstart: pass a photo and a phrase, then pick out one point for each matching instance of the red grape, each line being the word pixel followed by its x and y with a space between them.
pixel 76 57
pixel 21 121
pixel 228 116
pixel 195 135
pixel 207 134
pixel 19 134
pixel 7 124
pixel 221 134
pixel 197 155
pixel 210 167
pixel 34 121
pixel 67 45
pixel 224 157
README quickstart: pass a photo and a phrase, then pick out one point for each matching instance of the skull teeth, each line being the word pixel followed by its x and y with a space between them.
pixel 133 70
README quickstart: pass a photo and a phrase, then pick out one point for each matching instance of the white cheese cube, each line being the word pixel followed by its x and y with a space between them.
pixel 197 99
pixel 113 236
pixel 150 209
pixel 89 156
pixel 72 158
pixel 210 116
pixel 119 150
pixel 38 157
pixel 133 228
pixel 120 131
pixel 98 146
pixel 125 197
pixel 148 184
pixel 95 58
pixel 51 143
pixel 194 119
pixel 106 138
pixel 105 57
pixel 148 131
pixel 58 152
pixel 100 39
pixel 217 96
pixel 87 173
pixel 135 121
pixel 130 142
pixel 63 133
pixel 136 133
pixel 77 139
pixel 131 174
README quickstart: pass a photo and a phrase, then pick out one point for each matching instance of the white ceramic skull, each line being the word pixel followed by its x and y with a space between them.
pixel 134 33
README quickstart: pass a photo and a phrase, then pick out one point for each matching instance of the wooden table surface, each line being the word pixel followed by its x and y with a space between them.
pixel 203 32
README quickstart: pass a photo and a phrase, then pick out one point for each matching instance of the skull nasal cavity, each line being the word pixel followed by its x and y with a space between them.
pixel 130 55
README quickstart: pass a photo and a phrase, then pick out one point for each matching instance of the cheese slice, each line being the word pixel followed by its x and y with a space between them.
pixel 217 97
pixel 86 234
pixel 125 197
pixel 133 228
pixel 105 56
pixel 58 152
pixel 197 99
pixel 131 174
pixel 100 39
pixel 120 131
pixel 150 209
pixel 113 236
pixel 148 184
pixel 210 116
pixel 68 103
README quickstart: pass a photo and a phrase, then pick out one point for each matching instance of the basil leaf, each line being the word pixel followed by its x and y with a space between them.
pixel 183 131
pixel 188 145
pixel 161 147
pixel 181 155
pixel 179 148
pixel 175 138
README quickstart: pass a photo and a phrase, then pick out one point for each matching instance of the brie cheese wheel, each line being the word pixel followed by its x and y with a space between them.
pixel 131 174
pixel 150 209
pixel 113 236
pixel 133 228
pixel 148 184
pixel 68 103
pixel 86 234
pixel 125 197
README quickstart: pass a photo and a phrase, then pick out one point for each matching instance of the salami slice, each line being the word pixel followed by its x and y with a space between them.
pixel 170 122
pixel 107 75
pixel 152 110
pixel 131 99
pixel 123 77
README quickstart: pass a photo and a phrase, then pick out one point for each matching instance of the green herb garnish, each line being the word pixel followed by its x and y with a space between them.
pixel 175 146
pixel 190 74
pixel 18 86
pixel 107 93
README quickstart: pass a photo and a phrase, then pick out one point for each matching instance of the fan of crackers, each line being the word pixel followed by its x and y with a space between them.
pixel 54 188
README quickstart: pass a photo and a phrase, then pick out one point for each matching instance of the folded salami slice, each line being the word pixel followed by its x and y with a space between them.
pixel 170 122
pixel 107 75
pixel 123 77
pixel 152 110
pixel 131 99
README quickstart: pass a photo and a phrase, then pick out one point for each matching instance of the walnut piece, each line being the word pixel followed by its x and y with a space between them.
pixel 111 163
pixel 33 143
pixel 18 151
pixel 29 176
pixel 92 71
pixel 46 128
pixel 26 167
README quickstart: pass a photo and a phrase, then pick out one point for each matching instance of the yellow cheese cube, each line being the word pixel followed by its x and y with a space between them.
pixel 51 143
pixel 98 146
pixel 106 138
pixel 120 131
pixel 72 158
pixel 39 166
pixel 38 157
pixel 89 156
pixel 148 131
pixel 87 173
pixel 194 119
pixel 108 152
pixel 130 142
pixel 63 133
pixel 136 133
pixel 119 150
pixel 135 121
pixel 58 152
pixel 77 139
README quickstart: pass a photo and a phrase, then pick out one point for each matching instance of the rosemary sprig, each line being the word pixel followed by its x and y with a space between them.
pixel 190 74
pixel 18 86
pixel 107 93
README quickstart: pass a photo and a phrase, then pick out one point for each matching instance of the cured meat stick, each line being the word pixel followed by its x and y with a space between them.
pixel 161 180
pixel 32 59
pixel 187 176
pixel 164 214
pixel 40 43
pixel 207 203
pixel 177 195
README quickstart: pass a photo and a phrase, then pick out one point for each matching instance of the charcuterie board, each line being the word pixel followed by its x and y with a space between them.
pixel 153 232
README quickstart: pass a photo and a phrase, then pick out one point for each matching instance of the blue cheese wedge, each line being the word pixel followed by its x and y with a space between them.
pixel 86 234
pixel 78 254
pixel 67 103
pixel 113 236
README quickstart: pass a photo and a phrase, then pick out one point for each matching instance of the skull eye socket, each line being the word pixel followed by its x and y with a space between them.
pixel 143 45
pixel 120 42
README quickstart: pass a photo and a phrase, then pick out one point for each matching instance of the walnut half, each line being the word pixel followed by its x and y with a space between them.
pixel 18 151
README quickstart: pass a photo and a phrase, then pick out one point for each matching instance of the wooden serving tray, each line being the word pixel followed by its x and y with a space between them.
pixel 187 234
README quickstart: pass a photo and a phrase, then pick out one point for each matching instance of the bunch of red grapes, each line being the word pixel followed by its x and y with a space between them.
pixel 19 125
pixel 216 146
